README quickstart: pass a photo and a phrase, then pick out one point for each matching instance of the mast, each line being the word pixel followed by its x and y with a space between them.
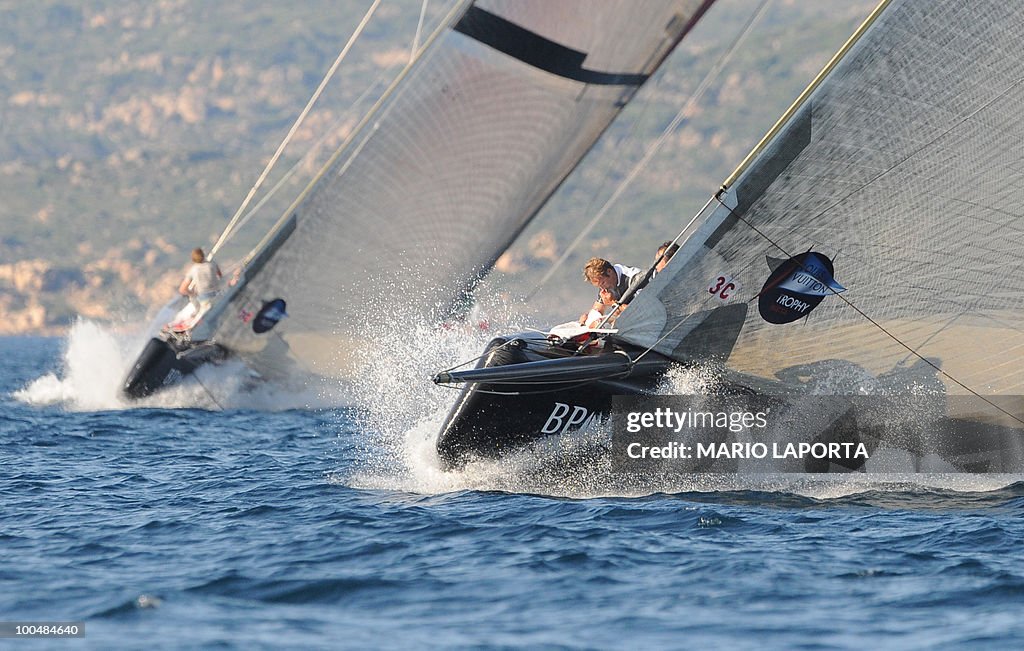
pixel 898 144
pixel 446 170
pixel 799 102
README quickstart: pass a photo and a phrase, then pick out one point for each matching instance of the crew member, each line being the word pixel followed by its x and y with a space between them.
pixel 615 279
pixel 202 282
pixel 668 249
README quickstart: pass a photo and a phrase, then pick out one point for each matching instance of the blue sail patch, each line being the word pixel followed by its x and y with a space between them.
pixel 269 315
pixel 796 286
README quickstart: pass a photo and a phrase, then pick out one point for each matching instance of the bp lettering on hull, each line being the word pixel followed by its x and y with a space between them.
pixel 565 417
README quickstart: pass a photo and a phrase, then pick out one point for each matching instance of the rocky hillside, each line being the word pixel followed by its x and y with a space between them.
pixel 132 130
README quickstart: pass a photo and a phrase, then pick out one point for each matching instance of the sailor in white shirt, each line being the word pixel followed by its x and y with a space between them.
pixel 613 279
pixel 202 282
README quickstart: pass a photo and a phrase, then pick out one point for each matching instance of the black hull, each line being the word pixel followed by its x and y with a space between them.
pixel 491 419
pixel 525 390
pixel 163 364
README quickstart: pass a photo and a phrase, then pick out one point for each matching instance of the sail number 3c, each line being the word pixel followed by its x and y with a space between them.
pixel 723 287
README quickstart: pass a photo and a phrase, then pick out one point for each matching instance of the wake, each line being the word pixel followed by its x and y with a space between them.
pixel 95 359
pixel 402 412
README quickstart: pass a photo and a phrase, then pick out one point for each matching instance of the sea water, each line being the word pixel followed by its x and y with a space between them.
pixel 222 515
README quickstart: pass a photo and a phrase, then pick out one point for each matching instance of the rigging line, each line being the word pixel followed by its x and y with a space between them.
pixel 910 156
pixel 419 30
pixel 319 143
pixel 910 349
pixel 663 338
pixel 478 357
pixel 632 291
pixel 208 392
pixel 298 360
pixel 305 158
pixel 609 165
pixel 295 127
pixel 933 335
pixel 279 229
pixel 697 95
pixel 717 197
pixel 878 325
pixel 728 183
pixel 457 6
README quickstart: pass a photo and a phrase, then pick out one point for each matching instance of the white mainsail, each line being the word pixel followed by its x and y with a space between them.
pixel 467 146
pixel 903 167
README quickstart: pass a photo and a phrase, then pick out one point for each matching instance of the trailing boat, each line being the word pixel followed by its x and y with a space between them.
pixel 165 360
pixel 868 245
pixel 436 181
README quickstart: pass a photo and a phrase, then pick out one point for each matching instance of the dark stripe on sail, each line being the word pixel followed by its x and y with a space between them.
pixel 537 51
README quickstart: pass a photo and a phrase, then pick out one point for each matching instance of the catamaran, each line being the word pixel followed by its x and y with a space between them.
pixel 870 244
pixel 500 104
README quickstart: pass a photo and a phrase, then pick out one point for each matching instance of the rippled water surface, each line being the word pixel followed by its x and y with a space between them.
pixel 182 526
